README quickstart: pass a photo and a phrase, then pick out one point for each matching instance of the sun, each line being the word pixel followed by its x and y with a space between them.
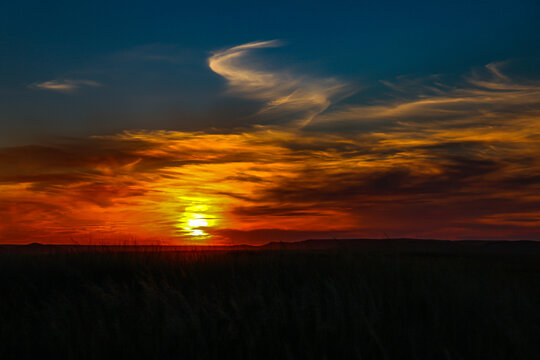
pixel 197 218
pixel 198 232
pixel 197 222
pixel 195 225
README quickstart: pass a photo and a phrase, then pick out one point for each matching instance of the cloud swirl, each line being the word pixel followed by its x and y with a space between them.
pixel 298 98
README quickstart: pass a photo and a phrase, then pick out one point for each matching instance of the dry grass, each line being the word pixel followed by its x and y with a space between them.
pixel 268 304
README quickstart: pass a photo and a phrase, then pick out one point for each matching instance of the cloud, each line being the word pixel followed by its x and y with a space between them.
pixel 156 182
pixel 297 98
pixel 64 85
pixel 443 161
pixel 485 96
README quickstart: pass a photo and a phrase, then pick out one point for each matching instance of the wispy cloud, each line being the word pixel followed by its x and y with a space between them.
pixel 299 98
pixel 64 85
pixel 486 97
pixel 442 160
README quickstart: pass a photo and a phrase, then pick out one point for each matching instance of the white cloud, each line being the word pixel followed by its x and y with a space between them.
pixel 301 98
pixel 64 85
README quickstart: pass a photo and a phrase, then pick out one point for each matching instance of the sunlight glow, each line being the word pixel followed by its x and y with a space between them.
pixel 195 223
pixel 198 233
pixel 199 214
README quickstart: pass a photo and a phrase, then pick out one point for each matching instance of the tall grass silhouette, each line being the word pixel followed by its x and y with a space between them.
pixel 338 304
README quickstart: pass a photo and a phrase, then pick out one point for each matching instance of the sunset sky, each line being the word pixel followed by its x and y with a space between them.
pixel 236 122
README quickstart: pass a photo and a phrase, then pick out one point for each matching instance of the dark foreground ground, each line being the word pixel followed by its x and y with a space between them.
pixel 335 302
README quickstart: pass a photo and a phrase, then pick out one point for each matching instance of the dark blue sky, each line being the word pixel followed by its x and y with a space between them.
pixel 150 58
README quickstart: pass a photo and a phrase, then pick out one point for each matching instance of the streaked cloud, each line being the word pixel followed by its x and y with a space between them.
pixel 439 160
pixel 297 98
pixel 155 184
pixel 485 96
pixel 64 85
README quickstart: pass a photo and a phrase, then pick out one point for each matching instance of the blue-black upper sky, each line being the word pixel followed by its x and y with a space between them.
pixel 144 65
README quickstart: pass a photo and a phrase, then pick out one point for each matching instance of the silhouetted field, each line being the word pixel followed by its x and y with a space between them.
pixel 438 301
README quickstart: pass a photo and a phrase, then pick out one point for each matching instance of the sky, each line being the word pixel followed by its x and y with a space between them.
pixel 244 122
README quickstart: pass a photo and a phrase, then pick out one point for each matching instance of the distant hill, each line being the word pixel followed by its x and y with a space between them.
pixel 406 244
pixel 401 245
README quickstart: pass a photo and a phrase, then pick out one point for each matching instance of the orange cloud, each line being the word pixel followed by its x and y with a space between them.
pixel 455 162
pixel 191 187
